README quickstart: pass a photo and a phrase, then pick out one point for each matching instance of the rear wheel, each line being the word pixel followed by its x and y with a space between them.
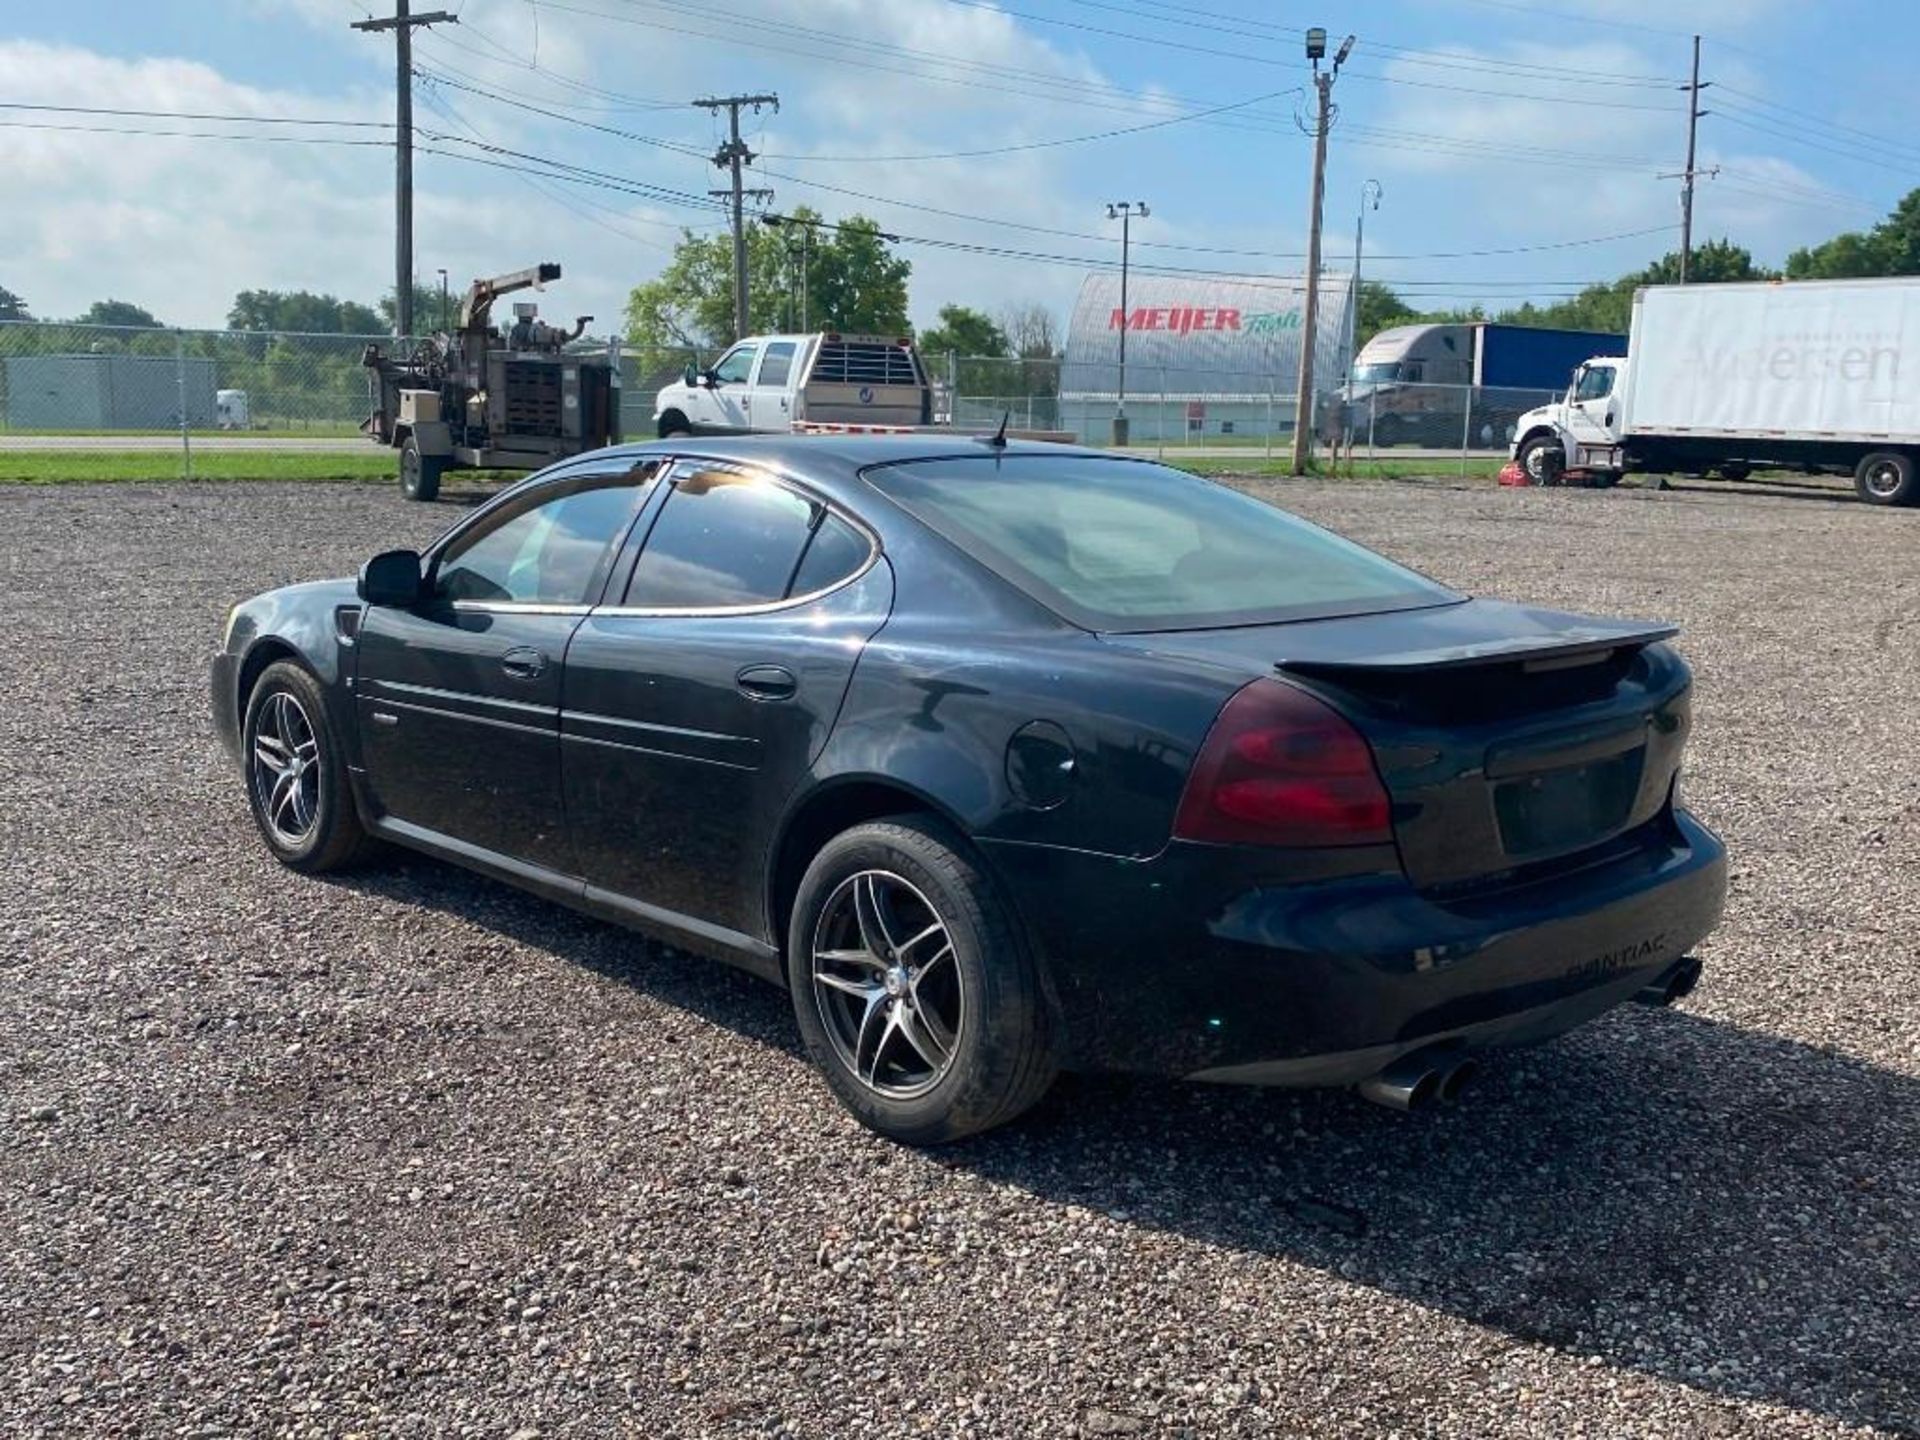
pixel 296 774
pixel 674 426
pixel 420 474
pixel 913 987
pixel 1887 477
pixel 1542 460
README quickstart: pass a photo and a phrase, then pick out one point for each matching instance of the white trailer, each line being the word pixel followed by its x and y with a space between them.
pixel 1803 375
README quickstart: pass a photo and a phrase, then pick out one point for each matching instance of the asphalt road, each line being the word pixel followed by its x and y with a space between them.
pixel 407 1153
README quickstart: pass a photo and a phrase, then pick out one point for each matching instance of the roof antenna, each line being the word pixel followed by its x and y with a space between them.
pixel 998 440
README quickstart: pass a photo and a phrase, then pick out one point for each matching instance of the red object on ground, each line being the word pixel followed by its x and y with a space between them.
pixel 1512 474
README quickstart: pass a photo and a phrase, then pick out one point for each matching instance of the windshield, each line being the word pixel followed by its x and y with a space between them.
pixel 1376 374
pixel 1127 545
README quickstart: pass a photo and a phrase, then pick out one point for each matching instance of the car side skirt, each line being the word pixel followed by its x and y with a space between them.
pixel 683 931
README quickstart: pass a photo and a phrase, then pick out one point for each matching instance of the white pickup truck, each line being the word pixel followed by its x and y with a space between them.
pixel 776 383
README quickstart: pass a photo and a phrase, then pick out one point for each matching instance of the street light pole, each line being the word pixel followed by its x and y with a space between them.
pixel 1123 211
pixel 1310 318
pixel 1370 194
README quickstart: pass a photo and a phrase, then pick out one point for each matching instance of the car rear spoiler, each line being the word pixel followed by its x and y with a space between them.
pixel 1588 642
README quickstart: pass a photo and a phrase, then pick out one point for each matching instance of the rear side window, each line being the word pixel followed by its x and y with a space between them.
pixel 835 552
pixel 724 537
pixel 777 364
pixel 1125 545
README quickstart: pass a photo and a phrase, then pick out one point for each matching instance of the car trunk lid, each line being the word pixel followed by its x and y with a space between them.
pixel 1508 737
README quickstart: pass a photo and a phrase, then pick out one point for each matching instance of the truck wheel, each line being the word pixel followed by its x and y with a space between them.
pixel 673 426
pixel 420 474
pixel 1887 477
pixel 1735 471
pixel 1542 460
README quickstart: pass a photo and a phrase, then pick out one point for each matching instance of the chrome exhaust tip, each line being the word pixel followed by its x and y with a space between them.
pixel 1456 1079
pixel 1416 1081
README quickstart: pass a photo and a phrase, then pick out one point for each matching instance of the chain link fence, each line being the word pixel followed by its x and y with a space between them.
pixel 107 381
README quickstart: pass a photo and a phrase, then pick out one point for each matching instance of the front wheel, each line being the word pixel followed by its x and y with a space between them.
pixel 913 987
pixel 1887 477
pixel 297 774
pixel 1543 461
pixel 420 474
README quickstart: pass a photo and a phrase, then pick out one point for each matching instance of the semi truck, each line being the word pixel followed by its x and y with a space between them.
pixel 1817 376
pixel 1445 384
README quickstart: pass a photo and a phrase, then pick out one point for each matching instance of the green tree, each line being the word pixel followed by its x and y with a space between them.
pixel 426 310
pixel 1380 308
pixel 118 312
pixel 1890 248
pixel 858 284
pixel 304 312
pixel 853 283
pixel 965 332
pixel 1609 306
pixel 12 307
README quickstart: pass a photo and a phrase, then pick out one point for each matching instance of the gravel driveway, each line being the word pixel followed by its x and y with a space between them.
pixel 408 1154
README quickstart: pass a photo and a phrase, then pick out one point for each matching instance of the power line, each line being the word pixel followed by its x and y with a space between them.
pixel 878 199
pixel 195 115
pixel 1041 144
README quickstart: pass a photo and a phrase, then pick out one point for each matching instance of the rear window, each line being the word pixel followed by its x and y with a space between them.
pixel 1126 545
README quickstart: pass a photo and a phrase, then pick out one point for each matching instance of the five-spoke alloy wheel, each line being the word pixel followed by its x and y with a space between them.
pixel 913 987
pixel 285 762
pixel 296 779
pixel 887 984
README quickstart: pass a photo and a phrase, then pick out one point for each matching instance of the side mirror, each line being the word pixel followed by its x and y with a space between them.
pixel 689 375
pixel 391 578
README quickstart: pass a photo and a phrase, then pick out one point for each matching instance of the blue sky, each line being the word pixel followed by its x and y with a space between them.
pixel 1492 125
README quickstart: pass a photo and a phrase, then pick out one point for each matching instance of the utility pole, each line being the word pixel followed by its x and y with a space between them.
pixel 1123 211
pixel 402 23
pixel 1310 318
pixel 1694 112
pixel 733 155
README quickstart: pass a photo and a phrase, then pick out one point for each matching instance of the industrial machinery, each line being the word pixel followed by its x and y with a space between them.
pixel 479 399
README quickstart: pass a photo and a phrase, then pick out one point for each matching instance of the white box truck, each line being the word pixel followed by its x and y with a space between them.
pixel 1815 376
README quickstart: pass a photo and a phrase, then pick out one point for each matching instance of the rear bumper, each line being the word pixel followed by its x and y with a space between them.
pixel 1178 965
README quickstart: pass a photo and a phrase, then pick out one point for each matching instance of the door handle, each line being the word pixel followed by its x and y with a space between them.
pixel 523 662
pixel 767 682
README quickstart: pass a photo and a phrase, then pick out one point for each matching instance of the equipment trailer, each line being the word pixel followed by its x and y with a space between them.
pixel 477 399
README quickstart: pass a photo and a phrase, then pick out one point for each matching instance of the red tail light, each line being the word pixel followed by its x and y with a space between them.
pixel 1282 768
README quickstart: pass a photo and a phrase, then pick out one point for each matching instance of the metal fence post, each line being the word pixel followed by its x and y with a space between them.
pixel 1160 428
pixel 1270 388
pixel 180 391
pixel 1466 426
pixel 953 388
pixel 1373 405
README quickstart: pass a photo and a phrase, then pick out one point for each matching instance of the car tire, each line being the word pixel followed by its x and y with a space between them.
pixel 938 1029
pixel 307 819
pixel 674 426
pixel 1887 477
pixel 1542 460
pixel 420 474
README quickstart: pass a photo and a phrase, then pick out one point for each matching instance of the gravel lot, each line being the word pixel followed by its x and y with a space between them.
pixel 408 1154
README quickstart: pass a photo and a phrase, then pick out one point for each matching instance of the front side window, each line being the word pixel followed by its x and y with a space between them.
pixel 735 365
pixel 777 364
pixel 723 538
pixel 1595 384
pixel 1125 545
pixel 552 552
